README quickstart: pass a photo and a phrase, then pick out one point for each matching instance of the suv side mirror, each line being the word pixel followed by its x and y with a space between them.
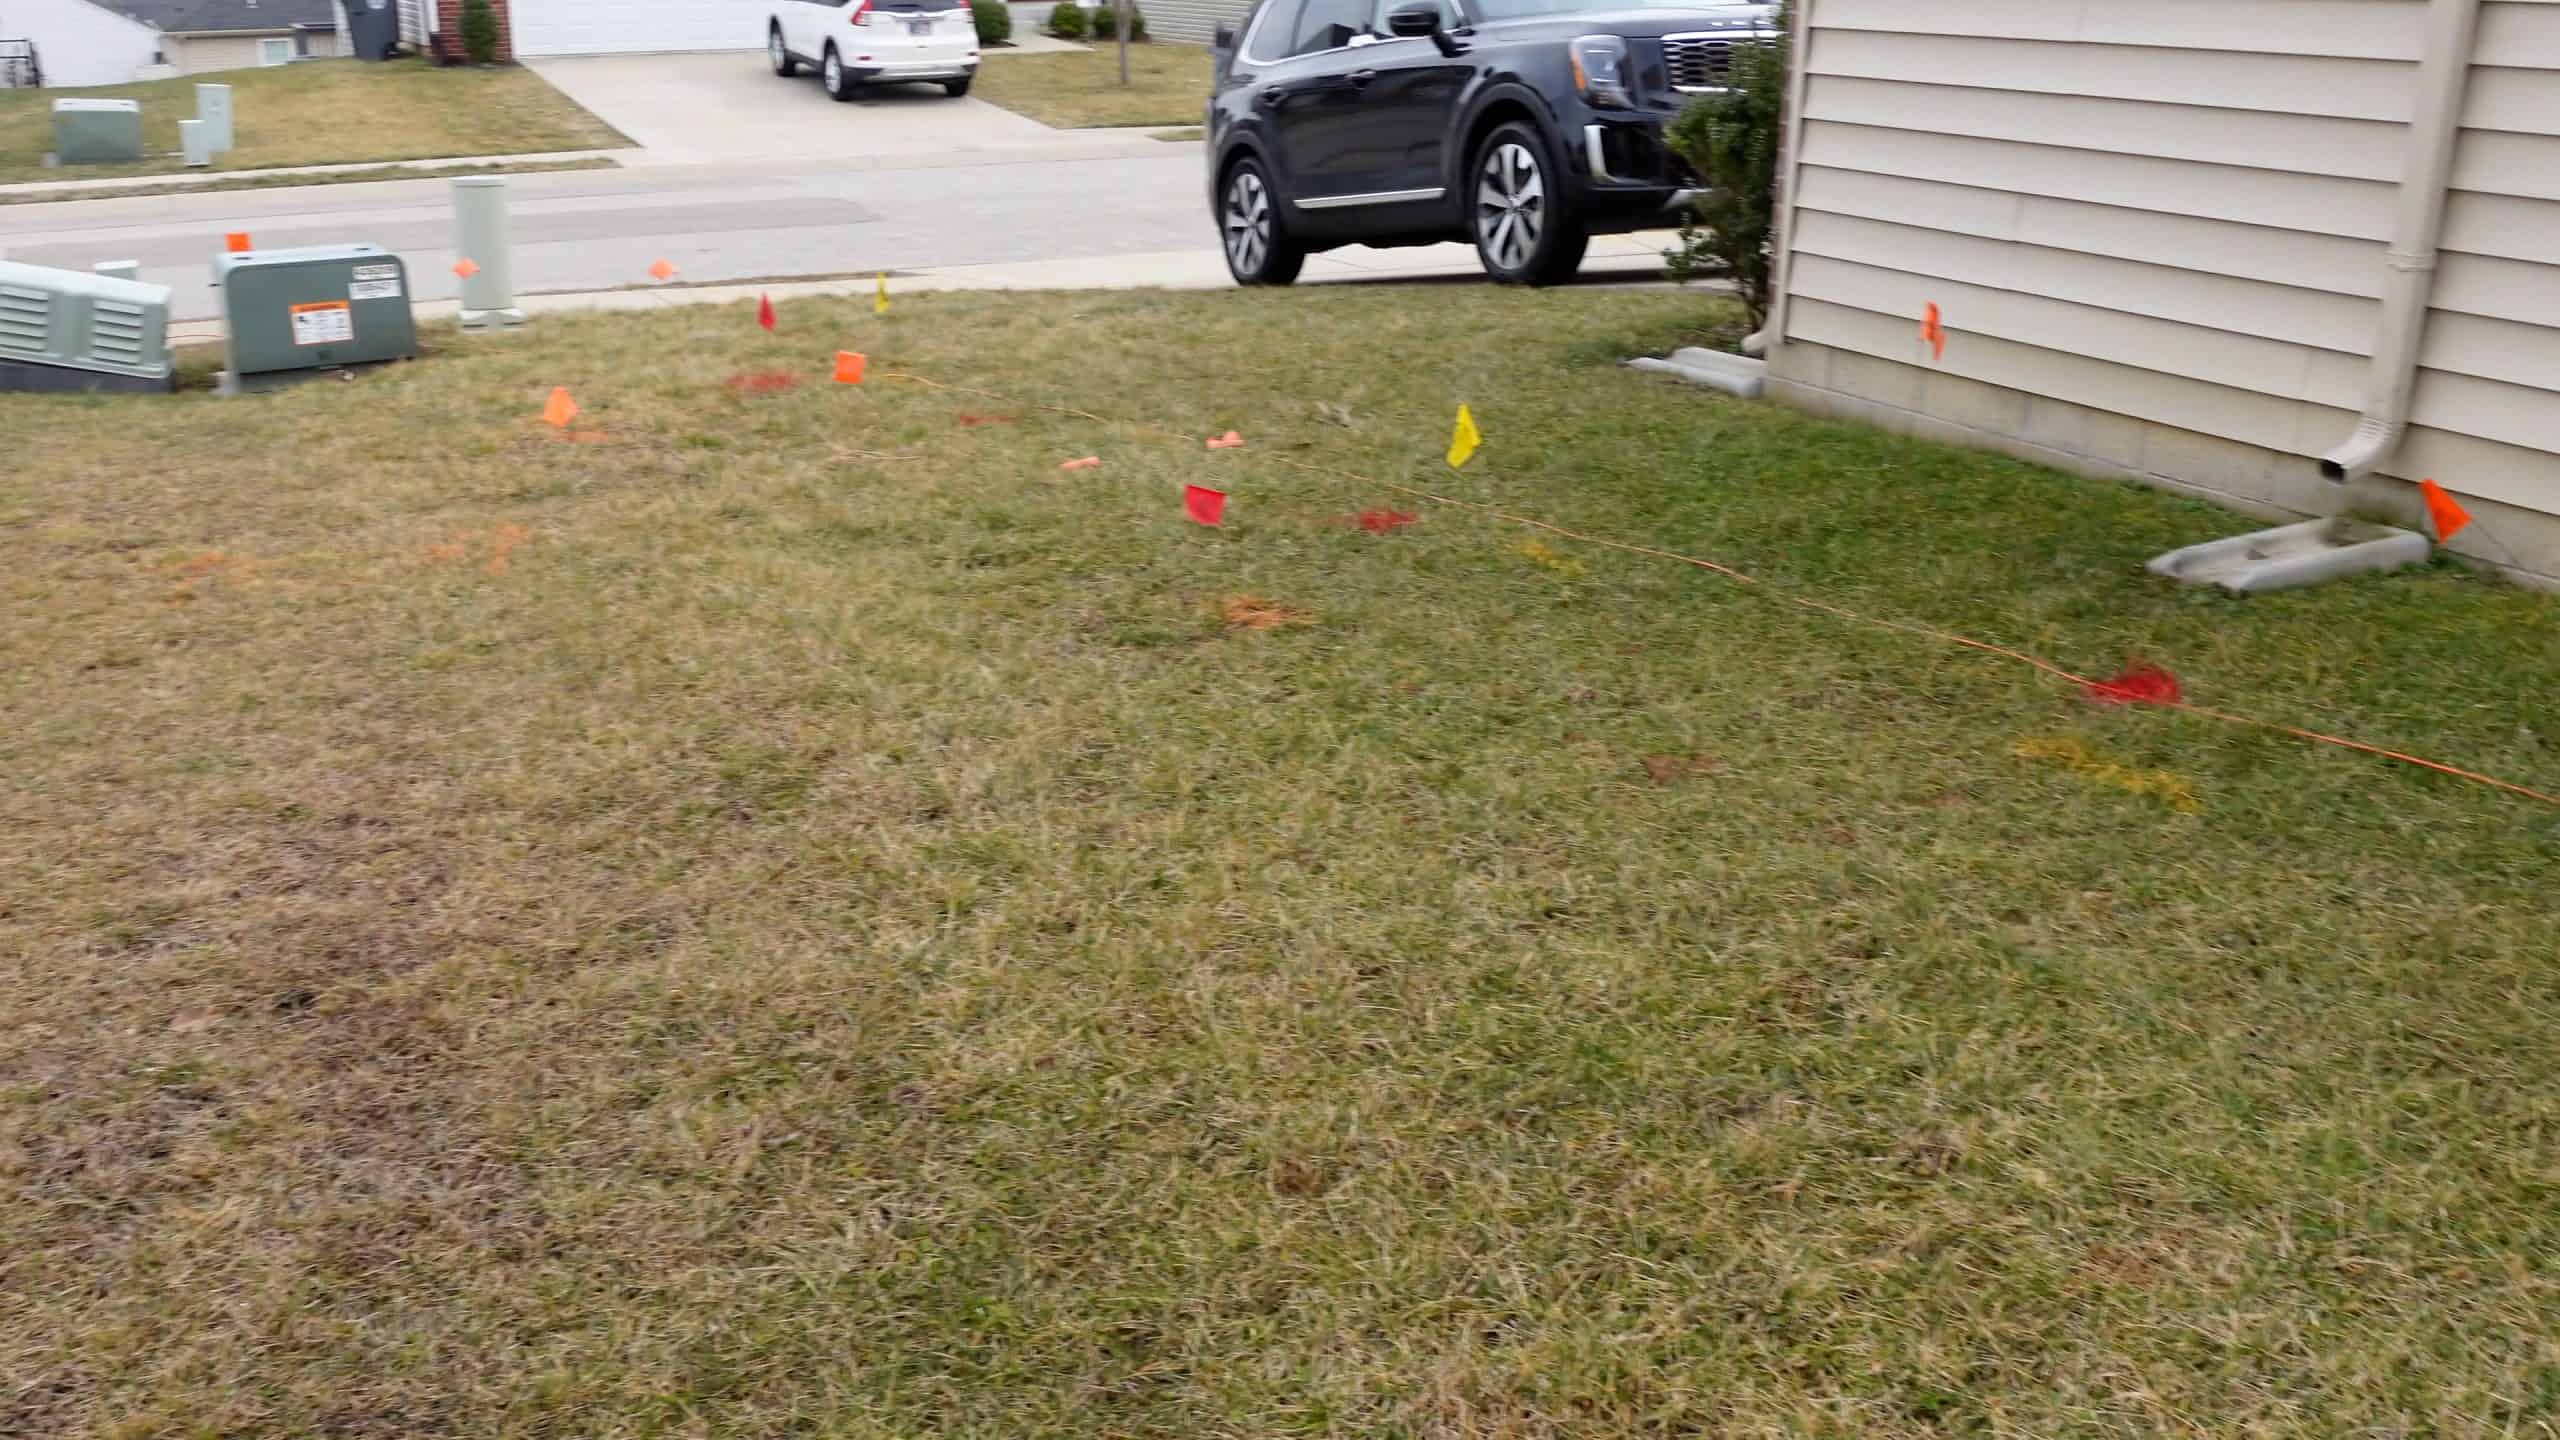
pixel 1413 22
pixel 1225 38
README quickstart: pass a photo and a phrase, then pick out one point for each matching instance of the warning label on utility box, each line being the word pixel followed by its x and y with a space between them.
pixel 323 322
pixel 375 282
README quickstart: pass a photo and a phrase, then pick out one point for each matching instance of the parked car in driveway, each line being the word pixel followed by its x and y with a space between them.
pixel 853 43
pixel 1525 126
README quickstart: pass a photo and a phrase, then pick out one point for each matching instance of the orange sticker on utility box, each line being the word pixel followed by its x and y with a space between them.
pixel 323 322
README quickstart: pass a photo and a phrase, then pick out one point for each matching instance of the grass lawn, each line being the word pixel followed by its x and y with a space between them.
pixel 323 112
pixel 1168 85
pixel 791 915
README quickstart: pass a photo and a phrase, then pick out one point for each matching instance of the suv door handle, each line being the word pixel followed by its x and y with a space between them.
pixel 1274 94
pixel 1359 78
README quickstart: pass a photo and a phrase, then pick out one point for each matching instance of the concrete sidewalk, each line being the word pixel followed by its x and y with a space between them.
pixel 1615 260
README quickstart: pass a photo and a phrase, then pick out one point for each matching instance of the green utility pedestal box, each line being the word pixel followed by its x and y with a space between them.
pixel 290 313
pixel 70 330
pixel 97 132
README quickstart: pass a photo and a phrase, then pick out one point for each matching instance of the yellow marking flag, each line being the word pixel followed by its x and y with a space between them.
pixel 880 301
pixel 1463 440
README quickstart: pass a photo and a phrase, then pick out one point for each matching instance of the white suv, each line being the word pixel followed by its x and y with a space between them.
pixel 860 42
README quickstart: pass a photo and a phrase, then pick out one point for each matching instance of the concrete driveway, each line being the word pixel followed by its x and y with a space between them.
pixel 700 108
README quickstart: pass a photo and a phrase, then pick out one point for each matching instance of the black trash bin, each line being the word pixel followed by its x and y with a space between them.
pixel 373 28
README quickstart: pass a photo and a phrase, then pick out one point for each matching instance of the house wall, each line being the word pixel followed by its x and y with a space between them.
pixel 2156 237
pixel 202 54
pixel 80 43
pixel 1192 21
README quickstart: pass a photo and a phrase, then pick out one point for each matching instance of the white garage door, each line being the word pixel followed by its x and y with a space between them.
pixel 610 27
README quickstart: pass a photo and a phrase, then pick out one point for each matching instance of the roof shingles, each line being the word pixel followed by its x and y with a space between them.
pixel 180 17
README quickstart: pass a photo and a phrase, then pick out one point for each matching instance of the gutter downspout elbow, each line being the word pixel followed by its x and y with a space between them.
pixel 2444 78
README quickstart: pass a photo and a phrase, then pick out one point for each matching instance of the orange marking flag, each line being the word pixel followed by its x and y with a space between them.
pixel 237 242
pixel 559 410
pixel 849 367
pixel 661 270
pixel 1933 333
pixel 1229 441
pixel 465 267
pixel 1090 462
pixel 2449 516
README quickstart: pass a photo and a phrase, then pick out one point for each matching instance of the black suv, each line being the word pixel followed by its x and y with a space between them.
pixel 1526 126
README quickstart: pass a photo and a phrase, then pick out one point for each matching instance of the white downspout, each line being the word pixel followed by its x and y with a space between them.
pixel 1773 327
pixel 2444 77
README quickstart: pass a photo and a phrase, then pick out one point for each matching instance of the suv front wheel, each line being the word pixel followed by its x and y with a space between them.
pixel 831 71
pixel 1521 233
pixel 783 64
pixel 1259 250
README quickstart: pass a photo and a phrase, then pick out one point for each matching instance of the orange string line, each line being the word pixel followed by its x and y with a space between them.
pixel 1806 602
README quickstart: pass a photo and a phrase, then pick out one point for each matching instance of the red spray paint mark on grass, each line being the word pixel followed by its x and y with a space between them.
pixel 2140 684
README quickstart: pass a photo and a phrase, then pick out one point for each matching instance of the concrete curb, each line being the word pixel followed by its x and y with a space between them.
pixel 74 189
pixel 1616 262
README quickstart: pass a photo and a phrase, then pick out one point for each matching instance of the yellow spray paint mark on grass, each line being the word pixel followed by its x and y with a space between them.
pixel 2169 788
pixel 1537 552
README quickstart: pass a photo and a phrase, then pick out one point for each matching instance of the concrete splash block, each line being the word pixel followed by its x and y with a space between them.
pixel 1733 374
pixel 2291 556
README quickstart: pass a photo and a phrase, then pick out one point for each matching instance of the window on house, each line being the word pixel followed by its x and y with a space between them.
pixel 275 52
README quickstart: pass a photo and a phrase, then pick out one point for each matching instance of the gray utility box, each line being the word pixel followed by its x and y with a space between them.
pixel 97 132
pixel 319 307
pixel 71 330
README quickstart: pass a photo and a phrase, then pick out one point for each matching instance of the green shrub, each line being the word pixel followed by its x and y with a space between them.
pixel 1067 21
pixel 1732 141
pixel 1106 23
pixel 479 32
pixel 995 23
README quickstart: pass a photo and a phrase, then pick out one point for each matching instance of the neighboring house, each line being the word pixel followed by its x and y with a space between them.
pixel 2211 244
pixel 197 36
pixel 80 43
pixel 1194 22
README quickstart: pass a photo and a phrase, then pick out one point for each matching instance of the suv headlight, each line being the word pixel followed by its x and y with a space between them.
pixel 1600 71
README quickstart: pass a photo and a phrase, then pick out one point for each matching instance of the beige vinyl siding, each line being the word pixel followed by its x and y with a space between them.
pixel 2175 211
pixel 1191 21
pixel 2486 416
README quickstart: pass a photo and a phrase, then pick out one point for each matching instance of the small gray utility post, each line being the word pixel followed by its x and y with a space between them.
pixel 213 107
pixel 1122 30
pixel 195 142
pixel 480 236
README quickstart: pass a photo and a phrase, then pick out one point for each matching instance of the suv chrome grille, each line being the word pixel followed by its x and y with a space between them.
pixel 1702 62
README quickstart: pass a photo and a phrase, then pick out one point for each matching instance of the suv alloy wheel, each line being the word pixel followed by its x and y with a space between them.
pixel 1259 252
pixel 1520 233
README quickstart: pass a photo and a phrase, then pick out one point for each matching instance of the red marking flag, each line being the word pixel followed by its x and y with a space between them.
pixel 764 311
pixel 1204 505
pixel 2448 516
